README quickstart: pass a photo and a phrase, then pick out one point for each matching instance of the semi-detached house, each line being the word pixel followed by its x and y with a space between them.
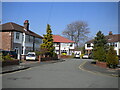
pixel 63 45
pixel 19 38
pixel 112 39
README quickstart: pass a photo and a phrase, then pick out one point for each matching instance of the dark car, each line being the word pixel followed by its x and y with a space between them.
pixel 12 54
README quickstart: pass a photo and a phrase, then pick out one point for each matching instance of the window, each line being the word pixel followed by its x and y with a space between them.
pixel 57 44
pixel 17 35
pixel 113 44
pixel 88 45
pixel 29 39
pixel 71 45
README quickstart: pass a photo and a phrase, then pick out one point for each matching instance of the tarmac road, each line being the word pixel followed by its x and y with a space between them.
pixel 65 74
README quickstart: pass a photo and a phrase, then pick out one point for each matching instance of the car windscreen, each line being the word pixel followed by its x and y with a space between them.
pixel 31 55
pixel 12 52
pixel 4 53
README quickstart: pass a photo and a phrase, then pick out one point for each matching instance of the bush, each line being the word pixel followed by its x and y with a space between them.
pixel 100 54
pixel 81 55
pixel 112 58
pixel 7 57
pixel 72 56
pixel 1 57
pixel 38 53
pixel 64 54
pixel 55 54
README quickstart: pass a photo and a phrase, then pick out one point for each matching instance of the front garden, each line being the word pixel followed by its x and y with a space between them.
pixel 7 60
pixel 104 54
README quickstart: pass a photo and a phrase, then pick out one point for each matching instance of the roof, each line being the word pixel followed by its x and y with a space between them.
pixel 15 27
pixel 58 38
pixel 110 38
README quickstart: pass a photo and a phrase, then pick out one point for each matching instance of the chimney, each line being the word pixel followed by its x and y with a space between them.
pixel 26 24
pixel 110 33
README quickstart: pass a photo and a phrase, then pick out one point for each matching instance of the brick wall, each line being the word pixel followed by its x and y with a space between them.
pixel 6 40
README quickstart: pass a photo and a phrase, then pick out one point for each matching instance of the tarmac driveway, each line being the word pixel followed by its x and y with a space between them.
pixel 58 75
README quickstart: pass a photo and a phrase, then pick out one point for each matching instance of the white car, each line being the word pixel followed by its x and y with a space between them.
pixel 77 55
pixel 85 56
pixel 31 56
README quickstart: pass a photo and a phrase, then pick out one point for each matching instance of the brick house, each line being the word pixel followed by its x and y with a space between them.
pixel 19 38
pixel 112 39
pixel 63 45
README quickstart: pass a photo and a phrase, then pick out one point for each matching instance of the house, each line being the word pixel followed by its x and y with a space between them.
pixel 63 45
pixel 112 39
pixel 19 38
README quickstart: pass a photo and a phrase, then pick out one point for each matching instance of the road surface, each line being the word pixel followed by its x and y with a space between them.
pixel 65 74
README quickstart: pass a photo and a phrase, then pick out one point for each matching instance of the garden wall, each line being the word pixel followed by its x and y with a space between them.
pixel 101 64
pixel 48 58
pixel 10 62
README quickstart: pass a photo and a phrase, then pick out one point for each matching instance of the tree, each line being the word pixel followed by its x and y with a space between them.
pixel 77 31
pixel 111 57
pixel 100 47
pixel 47 46
pixel 100 40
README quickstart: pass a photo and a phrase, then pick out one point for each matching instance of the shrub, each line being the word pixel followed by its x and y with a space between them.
pixel 81 55
pixel 112 58
pixel 100 54
pixel 38 53
pixel 7 57
pixel 64 54
pixel 72 56
pixel 55 54
pixel 1 57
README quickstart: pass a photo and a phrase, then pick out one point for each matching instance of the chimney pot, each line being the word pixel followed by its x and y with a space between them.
pixel 26 21
pixel 110 33
pixel 26 24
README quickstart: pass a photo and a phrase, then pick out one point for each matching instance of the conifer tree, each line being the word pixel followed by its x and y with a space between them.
pixel 47 46
pixel 100 47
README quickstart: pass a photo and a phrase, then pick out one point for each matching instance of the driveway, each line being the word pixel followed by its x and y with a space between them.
pixel 65 74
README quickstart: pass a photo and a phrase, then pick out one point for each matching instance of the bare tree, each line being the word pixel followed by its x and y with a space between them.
pixel 77 31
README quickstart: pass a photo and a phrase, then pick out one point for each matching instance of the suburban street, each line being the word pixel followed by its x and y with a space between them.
pixel 65 74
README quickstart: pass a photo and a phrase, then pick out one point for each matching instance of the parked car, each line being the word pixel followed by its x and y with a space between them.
pixel 12 54
pixel 86 56
pixel 77 55
pixel 31 56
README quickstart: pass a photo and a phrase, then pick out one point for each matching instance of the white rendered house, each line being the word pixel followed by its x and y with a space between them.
pixel 112 39
pixel 63 45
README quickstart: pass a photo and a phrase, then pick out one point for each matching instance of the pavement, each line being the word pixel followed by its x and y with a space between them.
pixel 87 66
pixel 25 65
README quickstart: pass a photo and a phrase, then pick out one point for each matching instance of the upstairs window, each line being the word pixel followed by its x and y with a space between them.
pixel 113 44
pixel 71 45
pixel 57 45
pixel 17 35
pixel 88 45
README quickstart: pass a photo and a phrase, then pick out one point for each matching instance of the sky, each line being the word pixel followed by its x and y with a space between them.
pixel 99 15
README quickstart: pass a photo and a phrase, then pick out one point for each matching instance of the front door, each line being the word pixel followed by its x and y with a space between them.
pixel 18 52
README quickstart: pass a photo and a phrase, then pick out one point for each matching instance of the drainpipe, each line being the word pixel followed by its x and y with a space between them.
pixel 24 44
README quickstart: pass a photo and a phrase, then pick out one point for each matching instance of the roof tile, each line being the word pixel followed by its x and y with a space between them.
pixel 15 27
pixel 58 38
